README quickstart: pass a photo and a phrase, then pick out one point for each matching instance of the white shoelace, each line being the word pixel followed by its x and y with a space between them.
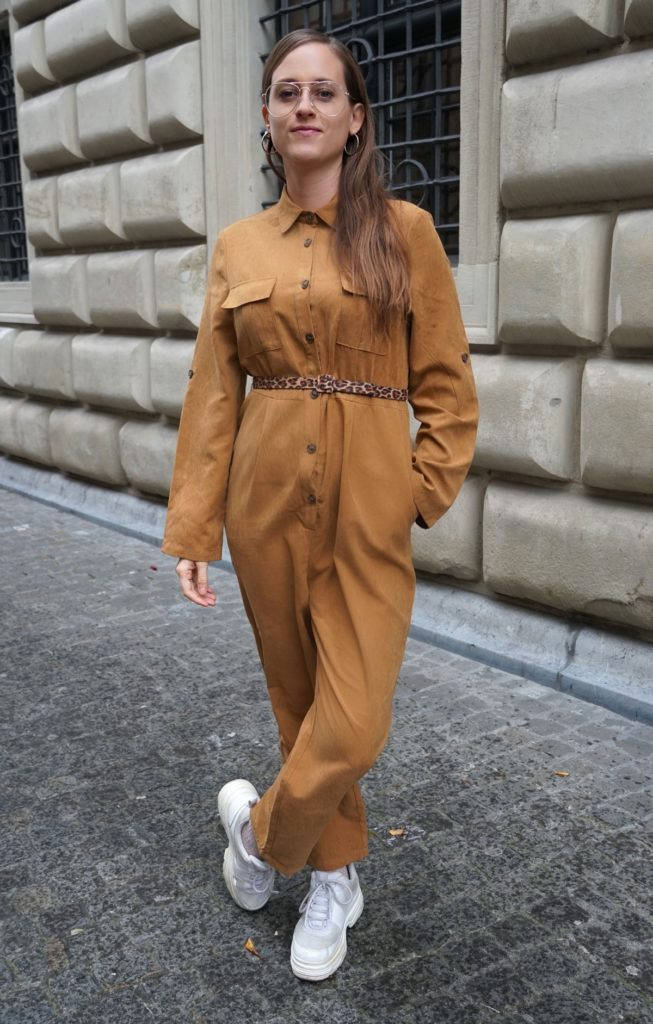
pixel 317 901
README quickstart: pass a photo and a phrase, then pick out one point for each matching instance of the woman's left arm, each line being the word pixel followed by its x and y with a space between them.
pixel 441 388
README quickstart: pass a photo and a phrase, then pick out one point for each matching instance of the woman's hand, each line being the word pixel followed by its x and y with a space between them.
pixel 194 581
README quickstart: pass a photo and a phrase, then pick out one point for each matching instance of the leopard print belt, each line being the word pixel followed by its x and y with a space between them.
pixel 327 384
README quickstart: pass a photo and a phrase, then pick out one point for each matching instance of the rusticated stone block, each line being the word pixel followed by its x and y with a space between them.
pixel 121 288
pixel 42 364
pixel 617 425
pixel 528 414
pixel 9 442
pixel 155 23
pixel 25 429
pixel 112 370
pixel 147 453
pixel 174 93
pixel 170 361
pixel 639 18
pixel 180 286
pixel 7 338
pixel 47 128
pixel 552 274
pixel 111 112
pixel 453 544
pixel 59 290
pixel 86 442
pixel 163 195
pixel 89 206
pixel 578 134
pixel 30 62
pixel 539 29
pixel 27 10
pixel 630 311
pixel 570 551
pixel 86 35
pixel 40 199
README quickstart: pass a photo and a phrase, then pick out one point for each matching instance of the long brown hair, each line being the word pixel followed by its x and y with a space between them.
pixel 369 243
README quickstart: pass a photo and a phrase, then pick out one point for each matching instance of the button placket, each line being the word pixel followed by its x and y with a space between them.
pixel 309 468
pixel 302 297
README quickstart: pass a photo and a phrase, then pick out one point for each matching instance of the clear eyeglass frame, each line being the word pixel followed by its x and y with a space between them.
pixel 313 88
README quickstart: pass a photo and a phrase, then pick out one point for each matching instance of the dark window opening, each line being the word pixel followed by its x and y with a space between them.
pixel 13 244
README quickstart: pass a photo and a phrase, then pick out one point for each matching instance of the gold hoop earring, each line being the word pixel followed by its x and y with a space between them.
pixel 350 152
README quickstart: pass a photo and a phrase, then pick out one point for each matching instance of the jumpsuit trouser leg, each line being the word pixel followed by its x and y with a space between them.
pixel 290 670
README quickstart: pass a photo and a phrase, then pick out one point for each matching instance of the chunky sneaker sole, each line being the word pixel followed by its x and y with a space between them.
pixel 248 878
pixel 310 971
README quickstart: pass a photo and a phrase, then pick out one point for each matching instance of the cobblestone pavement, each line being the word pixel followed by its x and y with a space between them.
pixel 514 894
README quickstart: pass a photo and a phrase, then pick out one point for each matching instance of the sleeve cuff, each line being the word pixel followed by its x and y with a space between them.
pixel 424 517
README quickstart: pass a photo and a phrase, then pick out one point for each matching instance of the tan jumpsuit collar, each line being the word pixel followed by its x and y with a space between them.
pixel 290 211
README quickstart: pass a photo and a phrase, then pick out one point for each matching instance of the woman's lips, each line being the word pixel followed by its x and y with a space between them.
pixel 306 131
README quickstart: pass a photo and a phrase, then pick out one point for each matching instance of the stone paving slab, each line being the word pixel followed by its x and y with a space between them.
pixel 514 894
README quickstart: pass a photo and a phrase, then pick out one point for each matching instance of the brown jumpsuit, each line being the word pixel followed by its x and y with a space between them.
pixel 318 492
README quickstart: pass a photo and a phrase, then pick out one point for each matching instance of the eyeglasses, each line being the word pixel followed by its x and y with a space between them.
pixel 328 98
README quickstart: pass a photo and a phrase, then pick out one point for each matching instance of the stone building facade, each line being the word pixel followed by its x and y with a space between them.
pixel 139 129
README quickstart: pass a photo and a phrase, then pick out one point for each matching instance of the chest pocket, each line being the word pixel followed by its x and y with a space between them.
pixel 355 321
pixel 253 315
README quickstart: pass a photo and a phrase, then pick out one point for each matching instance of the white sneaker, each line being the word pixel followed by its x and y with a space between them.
pixel 249 879
pixel 333 903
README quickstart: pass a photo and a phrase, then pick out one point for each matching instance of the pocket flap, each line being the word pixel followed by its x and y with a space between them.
pixel 249 291
pixel 349 286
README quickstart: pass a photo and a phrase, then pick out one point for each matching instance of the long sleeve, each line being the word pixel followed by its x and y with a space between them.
pixel 207 428
pixel 441 388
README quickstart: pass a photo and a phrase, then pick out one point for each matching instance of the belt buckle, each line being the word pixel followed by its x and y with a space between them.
pixel 325 382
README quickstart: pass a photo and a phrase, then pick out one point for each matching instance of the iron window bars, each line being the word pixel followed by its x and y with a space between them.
pixel 13 247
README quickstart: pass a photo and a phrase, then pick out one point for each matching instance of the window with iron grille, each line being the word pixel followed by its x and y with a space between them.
pixel 13 245
pixel 409 54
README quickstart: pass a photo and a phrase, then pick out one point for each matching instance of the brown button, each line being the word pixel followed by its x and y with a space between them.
pixel 311 499
pixel 190 373
pixel 310 337
pixel 305 283
pixel 311 448
pixel 307 241
pixel 315 393
pixel 464 357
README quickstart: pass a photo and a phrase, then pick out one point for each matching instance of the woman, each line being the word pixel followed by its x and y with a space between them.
pixel 339 301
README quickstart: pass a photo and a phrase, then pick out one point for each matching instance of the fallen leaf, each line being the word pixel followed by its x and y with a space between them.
pixel 397 831
pixel 561 773
pixel 251 948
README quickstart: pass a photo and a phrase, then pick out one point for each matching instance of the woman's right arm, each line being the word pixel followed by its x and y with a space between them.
pixel 207 428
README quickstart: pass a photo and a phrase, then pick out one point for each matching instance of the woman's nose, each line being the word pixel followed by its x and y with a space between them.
pixel 304 102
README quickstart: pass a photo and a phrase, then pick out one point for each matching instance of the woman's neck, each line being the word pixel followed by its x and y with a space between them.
pixel 312 190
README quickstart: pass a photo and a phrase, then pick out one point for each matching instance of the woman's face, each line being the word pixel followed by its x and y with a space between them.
pixel 308 63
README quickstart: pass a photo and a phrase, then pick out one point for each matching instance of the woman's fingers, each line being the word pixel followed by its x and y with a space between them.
pixel 193 580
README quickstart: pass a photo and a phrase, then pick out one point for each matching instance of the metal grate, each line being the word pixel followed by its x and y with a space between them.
pixel 13 248
pixel 409 54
